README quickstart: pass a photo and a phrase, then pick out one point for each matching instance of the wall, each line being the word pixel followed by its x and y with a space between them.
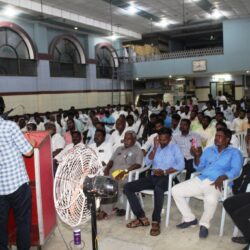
pixel 236 57
pixel 44 93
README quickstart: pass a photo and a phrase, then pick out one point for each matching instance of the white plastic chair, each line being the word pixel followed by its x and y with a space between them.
pixel 132 176
pixel 241 137
pixel 151 192
pixel 225 194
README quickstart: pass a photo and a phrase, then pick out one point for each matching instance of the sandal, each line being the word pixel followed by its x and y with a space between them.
pixel 140 222
pixel 239 240
pixel 101 215
pixel 155 229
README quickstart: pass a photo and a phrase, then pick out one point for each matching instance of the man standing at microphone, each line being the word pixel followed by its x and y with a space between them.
pixel 15 191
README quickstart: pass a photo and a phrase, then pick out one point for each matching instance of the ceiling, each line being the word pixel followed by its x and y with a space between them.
pixel 101 13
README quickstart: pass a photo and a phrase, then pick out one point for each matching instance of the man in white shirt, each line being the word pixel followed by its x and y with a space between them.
pixel 57 141
pixel 234 140
pixel 76 140
pixel 185 140
pixel 207 131
pixel 117 137
pixel 238 122
pixel 159 124
pixel 102 148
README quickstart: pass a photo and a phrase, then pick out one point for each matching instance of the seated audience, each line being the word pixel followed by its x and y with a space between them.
pixel 31 127
pixel 207 131
pixel 165 158
pixel 70 129
pixel 185 139
pixel 125 158
pixel 216 164
pixel 117 137
pixel 175 124
pixel 102 148
pixel 57 141
pixel 234 140
pixel 150 141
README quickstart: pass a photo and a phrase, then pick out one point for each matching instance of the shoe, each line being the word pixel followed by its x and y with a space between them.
pixel 239 240
pixel 184 225
pixel 203 232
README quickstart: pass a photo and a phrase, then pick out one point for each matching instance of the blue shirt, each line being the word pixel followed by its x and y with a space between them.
pixel 167 157
pixel 12 169
pixel 214 163
pixel 108 120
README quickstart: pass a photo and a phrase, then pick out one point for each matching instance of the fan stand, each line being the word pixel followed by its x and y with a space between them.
pixel 92 204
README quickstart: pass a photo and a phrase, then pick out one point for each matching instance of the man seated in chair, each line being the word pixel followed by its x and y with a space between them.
pixel 125 159
pixel 216 164
pixel 165 158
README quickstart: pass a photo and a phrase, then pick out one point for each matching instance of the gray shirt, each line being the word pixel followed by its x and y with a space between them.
pixel 125 157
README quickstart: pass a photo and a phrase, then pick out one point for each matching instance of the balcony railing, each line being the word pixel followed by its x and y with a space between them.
pixel 179 54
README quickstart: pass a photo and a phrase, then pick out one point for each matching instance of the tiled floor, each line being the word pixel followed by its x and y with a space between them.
pixel 113 234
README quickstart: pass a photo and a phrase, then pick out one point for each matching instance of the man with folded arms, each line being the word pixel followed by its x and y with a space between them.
pixel 165 158
pixel 216 164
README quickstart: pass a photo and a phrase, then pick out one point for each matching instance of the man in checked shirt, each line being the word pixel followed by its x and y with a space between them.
pixel 14 182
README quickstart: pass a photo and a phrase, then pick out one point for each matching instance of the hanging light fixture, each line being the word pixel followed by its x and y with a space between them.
pixel 113 36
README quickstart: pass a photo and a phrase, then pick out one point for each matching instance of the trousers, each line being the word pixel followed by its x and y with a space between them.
pixel 157 183
pixel 20 201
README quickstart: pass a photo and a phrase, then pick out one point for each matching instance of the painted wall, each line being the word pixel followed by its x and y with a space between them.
pixel 236 35
pixel 43 92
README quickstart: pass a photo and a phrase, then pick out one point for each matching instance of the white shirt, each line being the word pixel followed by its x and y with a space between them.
pixel 237 124
pixel 57 141
pixel 40 126
pixel 149 142
pixel 104 151
pixel 234 142
pixel 116 139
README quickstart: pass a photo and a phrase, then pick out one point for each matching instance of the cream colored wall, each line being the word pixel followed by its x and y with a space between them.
pixel 202 94
pixel 52 102
pixel 239 92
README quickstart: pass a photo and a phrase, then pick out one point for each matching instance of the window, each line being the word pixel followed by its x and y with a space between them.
pixel 106 62
pixel 68 58
pixel 16 54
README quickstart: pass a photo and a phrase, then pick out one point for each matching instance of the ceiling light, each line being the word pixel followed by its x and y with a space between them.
pixel 163 23
pixel 221 77
pixel 180 79
pixel 132 9
pixel 75 28
pixel 216 14
pixel 10 11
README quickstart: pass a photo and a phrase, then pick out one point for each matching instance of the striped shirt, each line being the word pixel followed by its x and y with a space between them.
pixel 12 169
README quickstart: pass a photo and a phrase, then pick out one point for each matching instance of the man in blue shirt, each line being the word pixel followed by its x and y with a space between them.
pixel 216 164
pixel 165 158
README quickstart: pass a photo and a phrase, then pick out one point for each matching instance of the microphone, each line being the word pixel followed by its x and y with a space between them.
pixel 6 114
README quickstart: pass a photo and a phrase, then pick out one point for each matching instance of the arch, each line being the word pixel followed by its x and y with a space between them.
pixel 24 36
pixel 112 51
pixel 72 40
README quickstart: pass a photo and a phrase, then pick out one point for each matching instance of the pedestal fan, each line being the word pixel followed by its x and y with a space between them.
pixel 77 184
